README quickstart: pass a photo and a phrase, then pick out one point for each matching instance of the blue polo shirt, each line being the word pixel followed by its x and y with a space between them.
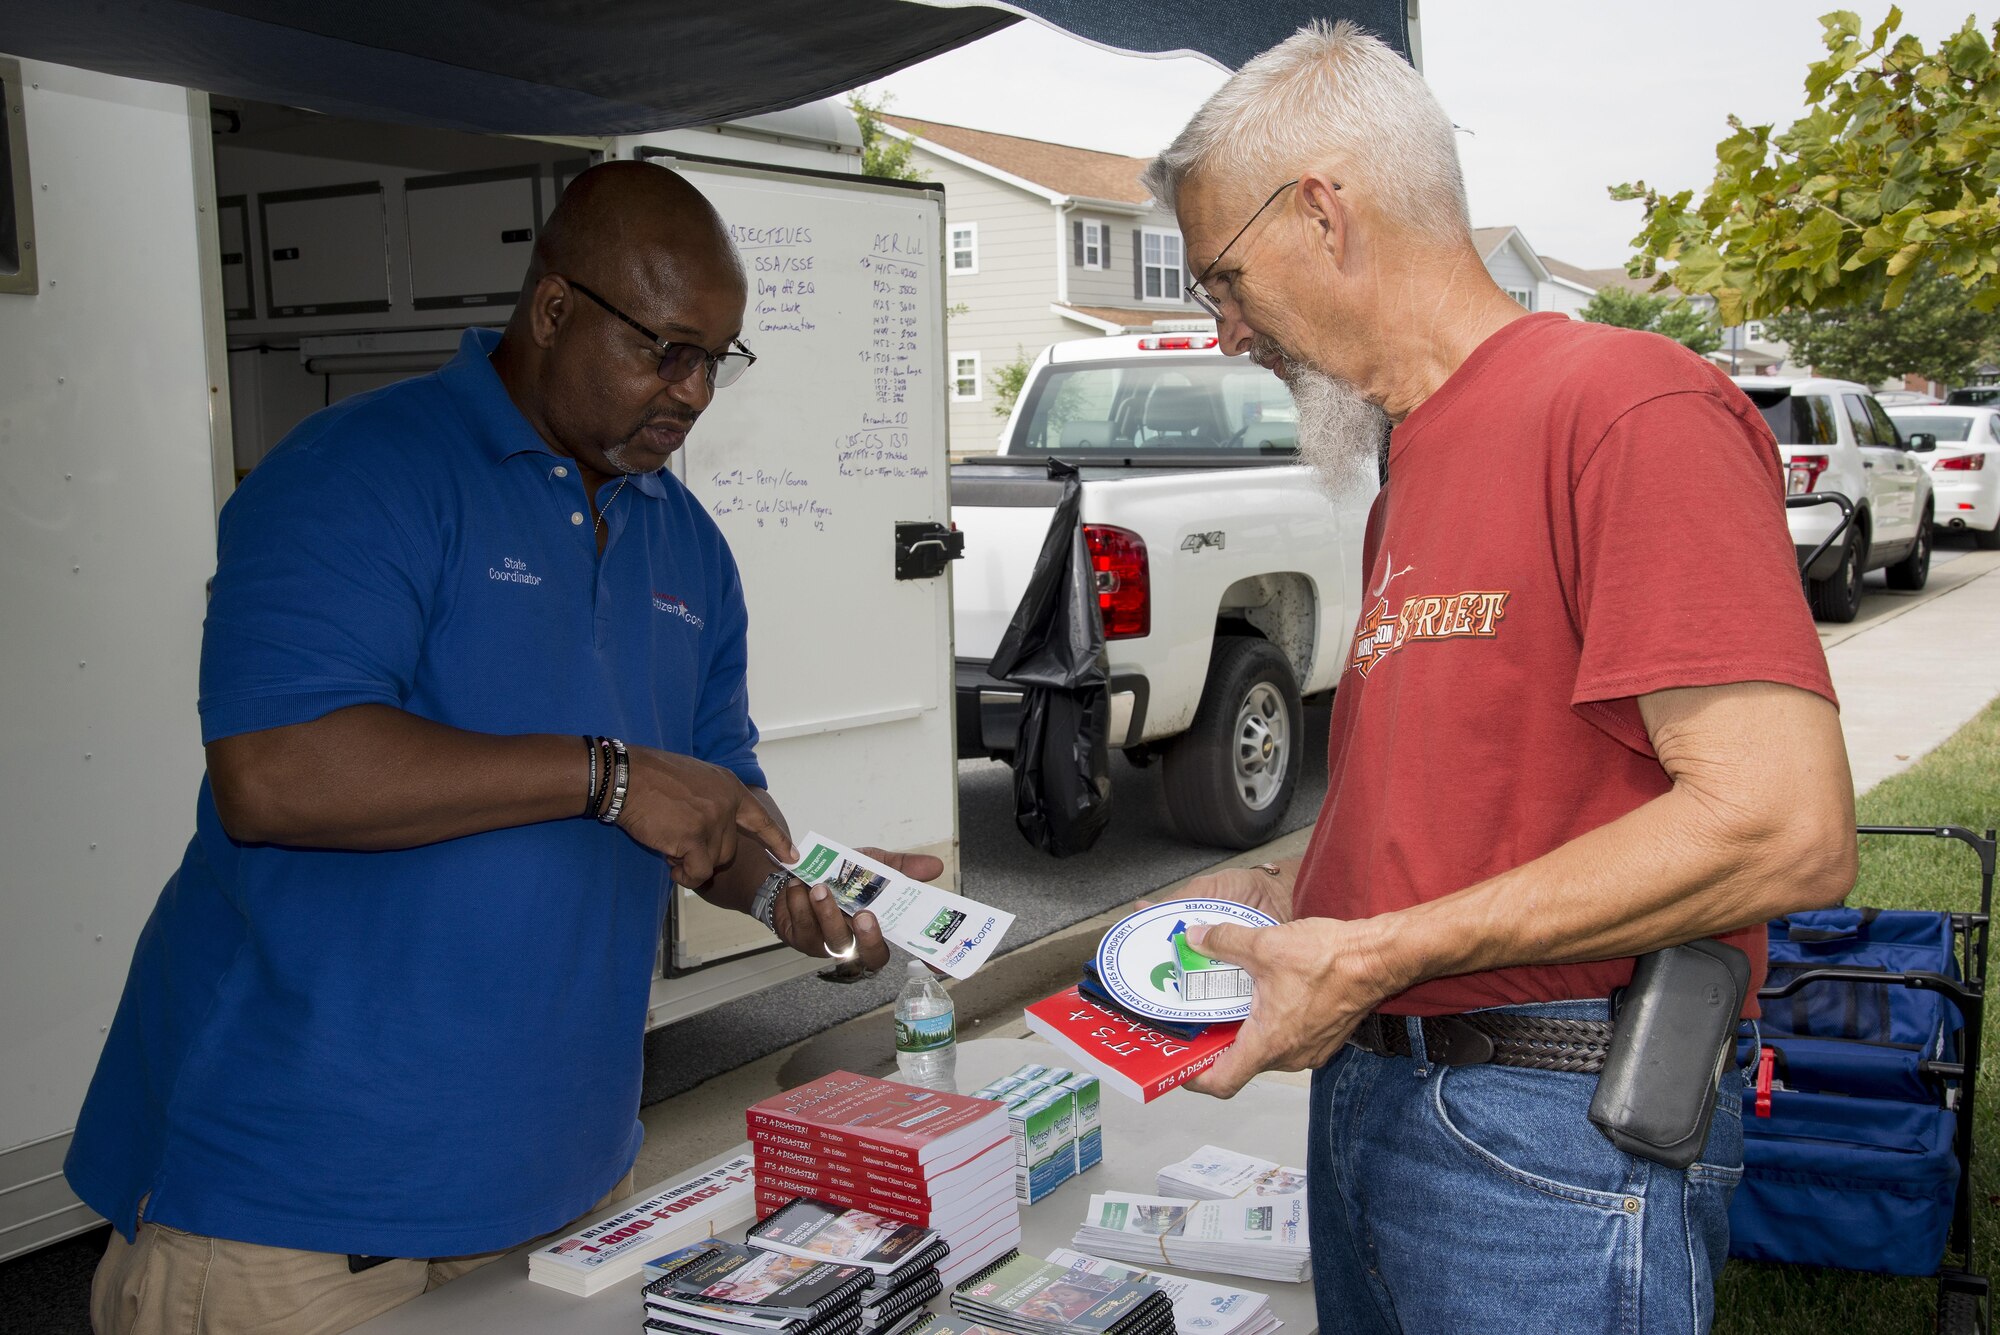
pixel 436 1051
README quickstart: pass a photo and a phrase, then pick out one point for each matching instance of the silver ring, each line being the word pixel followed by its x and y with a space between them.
pixel 843 956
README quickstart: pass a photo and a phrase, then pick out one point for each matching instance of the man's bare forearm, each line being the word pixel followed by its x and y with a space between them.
pixel 1734 842
pixel 372 778
pixel 1656 877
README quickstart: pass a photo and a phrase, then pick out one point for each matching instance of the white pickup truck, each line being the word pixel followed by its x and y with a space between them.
pixel 1228 579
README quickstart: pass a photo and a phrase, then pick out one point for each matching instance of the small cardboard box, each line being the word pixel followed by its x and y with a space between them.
pixel 1204 979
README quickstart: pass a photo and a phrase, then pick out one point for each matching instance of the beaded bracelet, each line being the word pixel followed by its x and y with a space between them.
pixel 621 772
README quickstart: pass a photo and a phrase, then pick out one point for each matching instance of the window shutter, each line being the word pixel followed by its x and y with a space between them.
pixel 1138 265
pixel 1076 243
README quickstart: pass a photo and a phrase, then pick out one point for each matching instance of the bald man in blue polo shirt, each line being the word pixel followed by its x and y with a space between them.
pixel 391 1004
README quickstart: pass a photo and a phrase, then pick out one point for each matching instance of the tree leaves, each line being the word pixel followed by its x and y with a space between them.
pixel 1894 166
pixel 1666 315
pixel 1933 332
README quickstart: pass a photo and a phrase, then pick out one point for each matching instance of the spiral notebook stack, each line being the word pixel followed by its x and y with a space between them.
pixel 1026 1295
pixel 727 1288
pixel 902 1259
pixel 1210 1309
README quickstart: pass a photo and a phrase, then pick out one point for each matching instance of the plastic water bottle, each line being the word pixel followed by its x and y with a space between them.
pixel 926 1033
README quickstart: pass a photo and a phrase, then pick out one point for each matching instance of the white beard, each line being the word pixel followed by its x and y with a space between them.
pixel 1340 432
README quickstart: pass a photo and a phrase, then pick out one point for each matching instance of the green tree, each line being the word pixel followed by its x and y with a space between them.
pixel 1697 330
pixel 1661 314
pixel 1894 167
pixel 1935 333
pixel 1007 381
pixel 882 153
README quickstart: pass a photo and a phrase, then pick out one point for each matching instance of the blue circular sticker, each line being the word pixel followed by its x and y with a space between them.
pixel 1147 966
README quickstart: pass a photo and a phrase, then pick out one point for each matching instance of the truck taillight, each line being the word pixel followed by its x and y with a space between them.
pixel 1178 343
pixel 1959 463
pixel 1802 472
pixel 1124 584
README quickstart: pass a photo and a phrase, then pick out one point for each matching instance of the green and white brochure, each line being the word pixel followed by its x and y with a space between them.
pixel 949 932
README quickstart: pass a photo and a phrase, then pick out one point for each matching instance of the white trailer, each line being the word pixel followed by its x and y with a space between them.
pixel 193 276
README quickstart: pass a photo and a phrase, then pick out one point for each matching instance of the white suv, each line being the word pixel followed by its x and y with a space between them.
pixel 1835 437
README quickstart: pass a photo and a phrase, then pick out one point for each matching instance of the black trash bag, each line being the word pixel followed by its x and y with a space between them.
pixel 1054 650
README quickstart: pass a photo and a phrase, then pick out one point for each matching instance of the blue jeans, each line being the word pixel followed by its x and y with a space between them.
pixel 1480 1198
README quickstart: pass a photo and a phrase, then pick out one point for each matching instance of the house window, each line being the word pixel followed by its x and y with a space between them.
pixel 1094 246
pixel 1753 332
pixel 965 248
pixel 1524 296
pixel 17 218
pixel 965 377
pixel 1161 265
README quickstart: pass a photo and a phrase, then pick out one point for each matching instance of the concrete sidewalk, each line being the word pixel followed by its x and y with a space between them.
pixel 1915 667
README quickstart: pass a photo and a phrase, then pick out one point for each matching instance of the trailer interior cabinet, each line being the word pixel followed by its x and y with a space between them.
pixel 470 235
pixel 326 250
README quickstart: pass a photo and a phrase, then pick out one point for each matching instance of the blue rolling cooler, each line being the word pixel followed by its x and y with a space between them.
pixel 1857 1148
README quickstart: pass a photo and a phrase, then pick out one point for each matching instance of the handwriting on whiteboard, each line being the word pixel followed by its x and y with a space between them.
pixel 803 289
pixel 895 279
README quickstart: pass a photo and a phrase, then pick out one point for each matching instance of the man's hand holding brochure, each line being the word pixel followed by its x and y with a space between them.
pixel 949 932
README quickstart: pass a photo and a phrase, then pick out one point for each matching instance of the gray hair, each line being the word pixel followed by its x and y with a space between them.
pixel 1330 93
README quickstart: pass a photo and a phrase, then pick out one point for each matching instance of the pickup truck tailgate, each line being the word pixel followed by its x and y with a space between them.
pixel 1004 513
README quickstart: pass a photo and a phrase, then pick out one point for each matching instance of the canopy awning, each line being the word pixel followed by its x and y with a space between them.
pixel 602 66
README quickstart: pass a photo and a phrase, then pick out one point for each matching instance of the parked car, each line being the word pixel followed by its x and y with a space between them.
pixel 1229 580
pixel 1974 396
pixel 1965 467
pixel 1834 436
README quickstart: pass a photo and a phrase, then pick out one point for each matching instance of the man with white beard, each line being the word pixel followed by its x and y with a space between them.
pixel 1341 433
pixel 1585 717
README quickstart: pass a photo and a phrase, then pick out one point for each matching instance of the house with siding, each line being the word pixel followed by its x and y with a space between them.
pixel 1046 242
pixel 1049 242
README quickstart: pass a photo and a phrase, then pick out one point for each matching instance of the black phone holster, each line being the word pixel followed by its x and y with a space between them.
pixel 1673 1032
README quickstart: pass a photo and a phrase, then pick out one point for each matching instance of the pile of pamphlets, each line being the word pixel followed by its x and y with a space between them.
pixel 1053 1115
pixel 902 1259
pixel 1262 1237
pixel 920 1156
pixel 1029 1296
pixel 1212 1173
pixel 1206 1309
pixel 728 1288
pixel 718 1197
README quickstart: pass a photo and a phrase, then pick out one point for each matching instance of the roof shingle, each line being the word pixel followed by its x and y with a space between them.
pixel 1058 167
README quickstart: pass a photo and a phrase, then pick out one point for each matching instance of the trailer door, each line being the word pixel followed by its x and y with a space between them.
pixel 826 467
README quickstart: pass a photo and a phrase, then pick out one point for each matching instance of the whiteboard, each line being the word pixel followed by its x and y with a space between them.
pixel 807 463
pixel 836 433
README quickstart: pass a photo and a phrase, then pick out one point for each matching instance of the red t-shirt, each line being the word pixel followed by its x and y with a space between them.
pixel 1579 516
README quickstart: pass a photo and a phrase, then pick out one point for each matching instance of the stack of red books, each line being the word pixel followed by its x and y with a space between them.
pixel 944 1161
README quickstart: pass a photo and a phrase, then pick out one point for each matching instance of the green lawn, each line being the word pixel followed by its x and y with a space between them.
pixel 1958 784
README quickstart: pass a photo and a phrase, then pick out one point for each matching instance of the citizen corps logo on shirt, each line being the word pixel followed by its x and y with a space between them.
pixel 1471 614
pixel 675 606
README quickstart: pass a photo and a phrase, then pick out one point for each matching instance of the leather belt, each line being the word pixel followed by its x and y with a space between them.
pixel 1501 1038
